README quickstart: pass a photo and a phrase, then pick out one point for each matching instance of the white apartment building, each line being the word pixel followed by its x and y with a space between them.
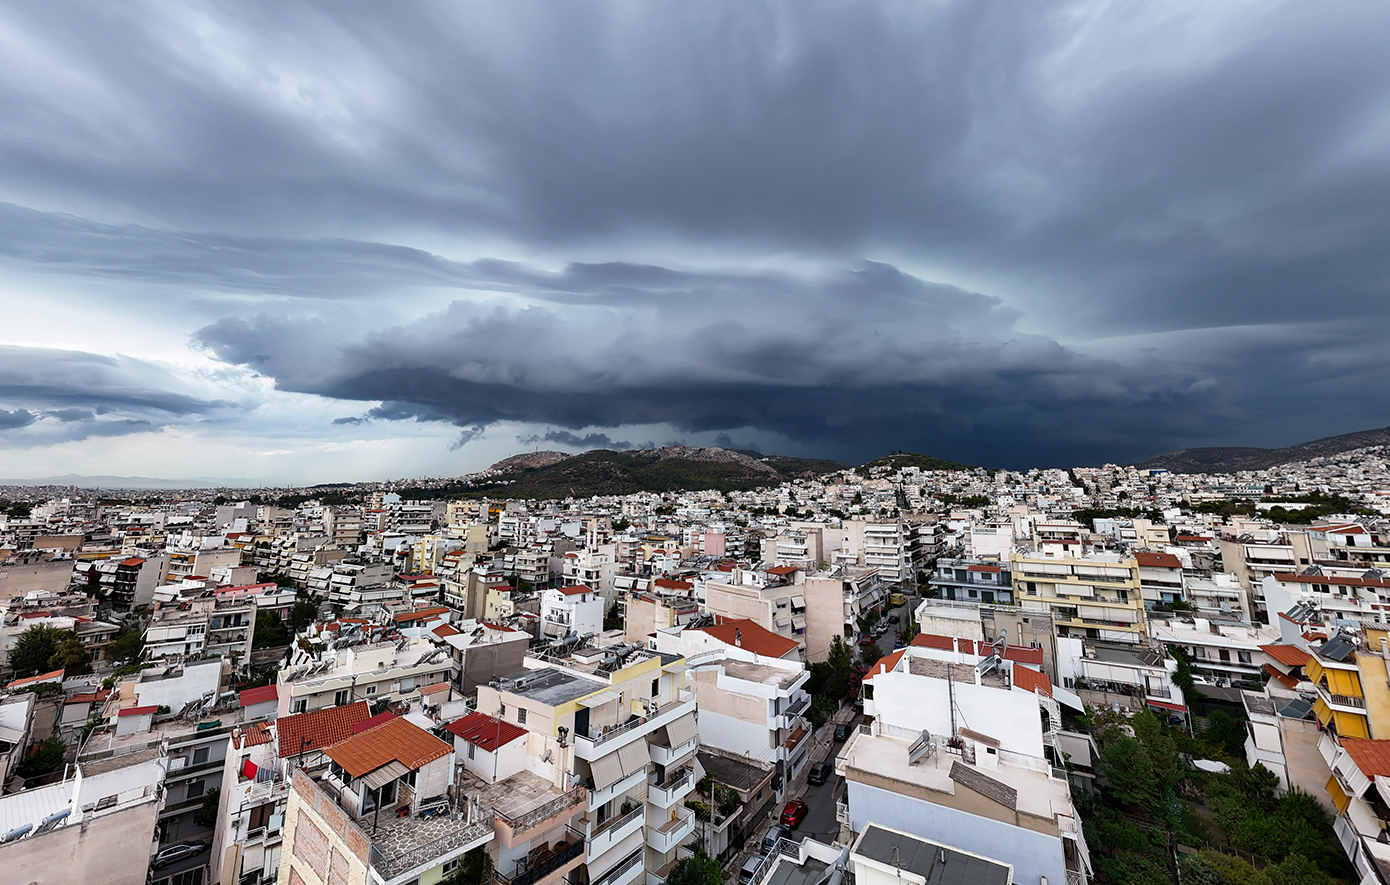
pixel 575 610
pixel 354 586
pixel 336 673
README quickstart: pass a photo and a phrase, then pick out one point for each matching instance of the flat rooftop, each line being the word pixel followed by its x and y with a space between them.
pixel 550 685
pixel 761 673
pixel 511 797
pixel 921 666
pixel 936 863
pixel 789 872
pixel 1038 793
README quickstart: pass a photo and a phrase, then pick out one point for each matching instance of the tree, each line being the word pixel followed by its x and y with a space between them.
pixel 870 654
pixel 69 654
pixel 1129 775
pixel 475 868
pixel 206 815
pixel 303 612
pixel 697 869
pixel 1182 676
pixel 126 646
pixel 270 631
pixel 46 756
pixel 33 649
pixel 1225 732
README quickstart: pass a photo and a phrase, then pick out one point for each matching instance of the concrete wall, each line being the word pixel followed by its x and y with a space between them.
pixel 903 700
pixel 113 849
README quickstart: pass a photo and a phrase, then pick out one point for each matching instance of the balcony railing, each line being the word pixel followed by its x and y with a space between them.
pixel 554 807
pixel 389 868
pixel 668 792
pixel 605 835
pixel 1348 701
pixel 626 866
pixel 528 873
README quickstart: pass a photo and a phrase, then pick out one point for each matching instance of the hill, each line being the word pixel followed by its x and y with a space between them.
pixel 913 459
pixel 668 469
pixel 1230 459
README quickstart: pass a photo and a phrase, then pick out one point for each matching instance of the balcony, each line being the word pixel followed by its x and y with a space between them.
pixel 592 747
pixel 406 847
pixel 598 797
pixel 660 876
pixel 626 872
pixel 676 787
pixel 519 828
pixel 668 836
pixel 667 756
pixel 546 861
pixel 1345 700
pixel 613 831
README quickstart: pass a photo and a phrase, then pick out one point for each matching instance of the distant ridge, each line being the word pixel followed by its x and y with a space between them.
pixel 1231 459
pixel 134 482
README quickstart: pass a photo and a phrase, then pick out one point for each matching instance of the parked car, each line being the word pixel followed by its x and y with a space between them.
pixel 775 834
pixel 819 772
pixel 866 640
pixel 177 852
pixel 752 870
pixel 893 619
pixel 793 813
pixel 842 728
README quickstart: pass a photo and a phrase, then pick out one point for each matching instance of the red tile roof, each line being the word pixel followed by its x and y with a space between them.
pixel 1193 538
pixel 988 569
pixel 319 729
pixel 381 718
pixel 433 688
pixel 253 736
pixel 421 614
pixel 885 664
pixel 931 640
pixel 484 731
pixel 138 711
pixel 51 676
pixel 1371 756
pixel 753 637
pixel 1157 560
pixel 444 630
pixel 1283 678
pixel 783 570
pixel 259 695
pixel 1329 579
pixel 575 590
pixel 90 698
pixel 1029 679
pixel 397 741
pixel 1288 655
pixel 668 584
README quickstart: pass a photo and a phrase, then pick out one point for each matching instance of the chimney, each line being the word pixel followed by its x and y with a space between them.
pixel 738 637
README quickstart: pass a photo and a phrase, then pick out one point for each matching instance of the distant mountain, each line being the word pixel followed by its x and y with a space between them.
pixel 1230 459
pixel 668 469
pixel 133 482
pixel 913 459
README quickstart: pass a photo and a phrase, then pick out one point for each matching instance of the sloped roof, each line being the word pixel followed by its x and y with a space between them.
pixel 381 718
pixel 885 664
pixel 575 590
pixel 484 731
pixel 1371 756
pixel 51 676
pixel 1029 679
pixel 1288 655
pixel 1282 678
pixel 753 637
pixel 397 741
pixel 1157 560
pixel 259 695
pixel 319 729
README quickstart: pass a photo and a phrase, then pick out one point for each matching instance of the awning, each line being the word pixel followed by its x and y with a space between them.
pixel 1337 794
pixel 682 731
pixel 385 774
pixel 798 602
pixel 599 699
pixel 634 758
pixel 798 622
pixel 1164 705
pixel 784 622
pixel 607 770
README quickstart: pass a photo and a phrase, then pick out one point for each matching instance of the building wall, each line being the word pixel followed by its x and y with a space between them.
pixel 321 845
pixel 903 700
pixel 1033 854
pixel 113 849
pixel 825 615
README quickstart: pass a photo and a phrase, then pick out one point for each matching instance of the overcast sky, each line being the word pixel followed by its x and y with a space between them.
pixel 339 241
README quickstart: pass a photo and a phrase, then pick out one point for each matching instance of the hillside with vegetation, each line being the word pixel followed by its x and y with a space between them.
pixel 899 460
pixel 1230 459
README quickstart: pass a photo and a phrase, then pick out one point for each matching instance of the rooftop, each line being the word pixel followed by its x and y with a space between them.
pixel 936 863
pixel 395 741
pixel 551 686
pixel 762 673
pixel 319 729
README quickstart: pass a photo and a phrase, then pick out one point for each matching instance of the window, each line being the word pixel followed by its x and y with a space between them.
pixel 300 705
pixel 471 748
pixel 371 689
pixel 656 688
pixel 520 716
pixel 502 712
pixel 200 755
pixel 340 698
pixel 1244 656
pixel 195 789
pixel 450 866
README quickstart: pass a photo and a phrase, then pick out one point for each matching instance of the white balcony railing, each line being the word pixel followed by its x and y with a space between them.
pixel 671 834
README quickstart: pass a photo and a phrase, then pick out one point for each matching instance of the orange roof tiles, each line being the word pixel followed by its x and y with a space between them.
pixel 51 676
pixel 319 729
pixel 1288 655
pixel 885 664
pixel 259 695
pixel 397 741
pixel 1330 579
pixel 575 590
pixel 1029 679
pixel 484 731
pixel 987 569
pixel 251 737
pixel 782 570
pixel 1371 756
pixel 668 584
pixel 133 561
pixel 444 630
pixel 421 614
pixel 749 635
pixel 1157 560
pixel 1282 678
pixel 931 640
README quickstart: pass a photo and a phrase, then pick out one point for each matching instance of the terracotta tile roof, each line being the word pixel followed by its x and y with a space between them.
pixel 381 718
pixel 259 695
pixel 484 731
pixel 754 638
pixel 1282 678
pixel 500 628
pixel 433 688
pixel 134 560
pixel 575 590
pixel 138 711
pixel 987 569
pixel 782 570
pixel 1288 655
pixel 319 729
pixel 1193 538
pixel 254 736
pixel 1029 679
pixel 885 664
pixel 1383 583
pixel 1157 560
pixel 931 640
pixel 51 676
pixel 90 698
pixel 668 584
pixel 980 738
pixel 444 630
pixel 1372 757
pixel 396 741
pixel 421 614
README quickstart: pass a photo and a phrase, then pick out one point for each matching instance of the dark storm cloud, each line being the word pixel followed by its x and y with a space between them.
pixel 12 418
pixel 1208 178
pixel 587 441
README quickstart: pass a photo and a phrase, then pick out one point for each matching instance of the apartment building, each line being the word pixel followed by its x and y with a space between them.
pixel 774 598
pixel 1224 651
pixel 575 610
pixel 205 626
pixel 1260 553
pixel 622 723
pixel 1160 579
pixel 1093 597
pixel 963 751
pixel 1216 594
pixel 125 583
pixel 1353 544
pixel 354 586
pixel 1345 594
pixel 1362 822
pixel 881 544
pixel 973 580
pixel 344 666
pixel 835 602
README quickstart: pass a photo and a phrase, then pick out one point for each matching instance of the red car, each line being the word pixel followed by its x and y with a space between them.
pixel 793 813
pixel 866 640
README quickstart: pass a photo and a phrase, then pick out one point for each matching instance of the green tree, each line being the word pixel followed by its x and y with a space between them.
pixel 69 654
pixel 697 869
pixel 475 868
pixel 1195 870
pixel 1129 775
pixel 46 756
pixel 270 631
pixel 870 654
pixel 1225 732
pixel 206 815
pixel 1159 746
pixel 33 649
pixel 126 646
pixel 303 612
pixel 620 524
pixel 1182 676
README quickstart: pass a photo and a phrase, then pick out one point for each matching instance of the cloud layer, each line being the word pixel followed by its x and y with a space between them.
pixel 1054 234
